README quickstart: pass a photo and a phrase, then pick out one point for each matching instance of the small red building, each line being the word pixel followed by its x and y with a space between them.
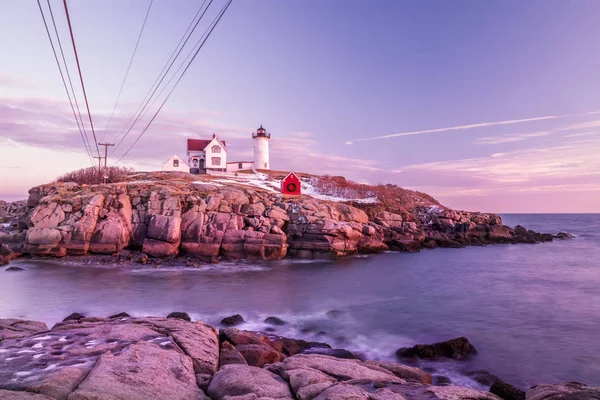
pixel 291 184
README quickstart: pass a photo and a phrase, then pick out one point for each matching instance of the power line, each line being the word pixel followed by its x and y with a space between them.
pixel 83 138
pixel 142 109
pixel 207 35
pixel 81 76
pixel 69 79
pixel 128 68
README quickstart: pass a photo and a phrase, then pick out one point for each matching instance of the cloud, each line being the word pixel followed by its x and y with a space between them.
pixel 566 161
pixel 581 125
pixel 509 138
pixel 582 134
pixel 473 126
pixel 15 82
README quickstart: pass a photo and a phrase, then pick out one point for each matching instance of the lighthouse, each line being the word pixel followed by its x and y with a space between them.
pixel 261 148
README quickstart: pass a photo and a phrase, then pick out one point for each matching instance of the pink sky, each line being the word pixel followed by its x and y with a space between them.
pixel 480 117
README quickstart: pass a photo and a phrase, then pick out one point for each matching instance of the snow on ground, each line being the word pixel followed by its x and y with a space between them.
pixel 267 184
pixel 262 181
pixel 309 189
pixel 207 183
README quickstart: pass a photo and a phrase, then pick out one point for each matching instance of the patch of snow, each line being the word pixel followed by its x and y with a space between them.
pixel 37 346
pixel 309 189
pixel 63 339
pixel 165 343
pixel 50 367
pixel 207 183
pixel 25 351
pixel 3 351
pixel 38 356
pixel 23 373
pixel 42 338
pixel 269 185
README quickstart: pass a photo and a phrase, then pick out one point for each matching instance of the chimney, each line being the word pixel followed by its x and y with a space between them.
pixel 224 143
pixel 214 135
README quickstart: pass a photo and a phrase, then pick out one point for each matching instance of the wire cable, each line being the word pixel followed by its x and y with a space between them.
pixel 69 78
pixel 65 83
pixel 210 30
pixel 128 69
pixel 142 109
pixel 87 104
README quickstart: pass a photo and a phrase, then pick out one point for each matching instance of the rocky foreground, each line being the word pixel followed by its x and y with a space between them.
pixel 124 358
pixel 164 215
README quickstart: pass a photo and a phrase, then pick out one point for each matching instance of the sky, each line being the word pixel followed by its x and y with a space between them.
pixel 486 105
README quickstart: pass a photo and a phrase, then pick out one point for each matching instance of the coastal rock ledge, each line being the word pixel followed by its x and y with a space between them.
pixel 130 358
pixel 165 215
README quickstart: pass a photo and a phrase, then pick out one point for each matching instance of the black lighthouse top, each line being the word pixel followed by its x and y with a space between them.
pixel 261 132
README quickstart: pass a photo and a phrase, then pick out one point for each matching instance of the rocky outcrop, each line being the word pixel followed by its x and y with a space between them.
pixel 506 391
pixel 458 348
pixel 164 217
pixel 18 328
pixel 570 390
pixel 172 358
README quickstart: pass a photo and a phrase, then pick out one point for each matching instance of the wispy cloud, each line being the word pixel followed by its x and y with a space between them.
pixel 15 82
pixel 582 134
pixel 581 125
pixel 513 137
pixel 570 160
pixel 472 126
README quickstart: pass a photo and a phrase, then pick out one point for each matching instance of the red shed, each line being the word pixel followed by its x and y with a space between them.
pixel 290 184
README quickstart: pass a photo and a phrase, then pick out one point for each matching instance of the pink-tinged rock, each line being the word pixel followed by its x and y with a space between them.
pixel 259 355
pixel 237 381
pixel 47 215
pixel 277 213
pixel 350 213
pixel 17 328
pixel 199 340
pixel 45 238
pixel 167 229
pixel 192 223
pixel 10 395
pixel 157 248
pixel 499 232
pixel 253 210
pixel 141 371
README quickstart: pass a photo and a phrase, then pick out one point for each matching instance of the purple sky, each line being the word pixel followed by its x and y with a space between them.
pixel 486 105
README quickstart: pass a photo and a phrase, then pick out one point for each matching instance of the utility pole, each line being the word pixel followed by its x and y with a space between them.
pixel 105 157
pixel 99 167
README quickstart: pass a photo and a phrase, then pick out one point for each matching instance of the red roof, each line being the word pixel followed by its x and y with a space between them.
pixel 197 144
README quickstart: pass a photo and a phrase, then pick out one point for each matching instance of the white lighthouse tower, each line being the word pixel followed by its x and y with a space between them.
pixel 261 148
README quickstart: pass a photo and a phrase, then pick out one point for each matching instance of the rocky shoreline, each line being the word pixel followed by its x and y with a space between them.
pixel 121 357
pixel 163 216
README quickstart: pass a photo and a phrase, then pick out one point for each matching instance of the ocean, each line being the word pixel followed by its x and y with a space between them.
pixel 532 311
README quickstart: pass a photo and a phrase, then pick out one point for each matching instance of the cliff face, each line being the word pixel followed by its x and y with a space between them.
pixel 166 215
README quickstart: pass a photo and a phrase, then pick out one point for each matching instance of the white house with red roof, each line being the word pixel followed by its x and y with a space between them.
pixel 209 156
pixel 206 156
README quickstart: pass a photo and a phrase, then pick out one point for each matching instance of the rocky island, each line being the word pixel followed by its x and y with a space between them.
pixel 165 215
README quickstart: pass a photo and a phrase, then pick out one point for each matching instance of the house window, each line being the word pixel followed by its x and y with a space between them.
pixel 239 165
pixel 176 163
pixel 195 163
pixel 216 149
pixel 216 161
